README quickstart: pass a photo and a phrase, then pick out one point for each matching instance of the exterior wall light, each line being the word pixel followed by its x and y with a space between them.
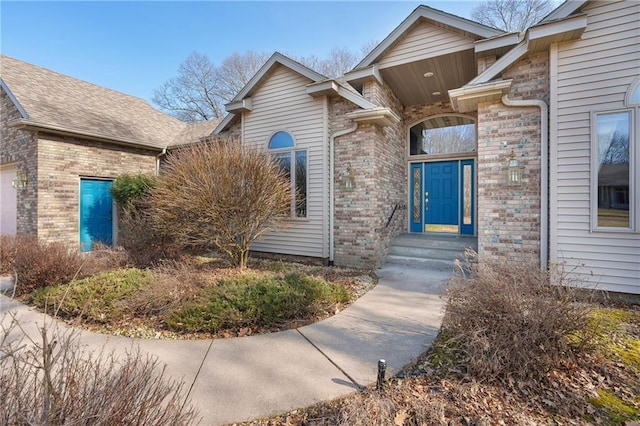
pixel 20 181
pixel 350 180
pixel 513 171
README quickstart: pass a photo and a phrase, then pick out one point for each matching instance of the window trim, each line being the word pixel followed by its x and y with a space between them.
pixel 635 85
pixel 292 151
pixel 634 163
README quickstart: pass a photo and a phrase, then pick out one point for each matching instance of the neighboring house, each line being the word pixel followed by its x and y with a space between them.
pixel 63 142
pixel 527 144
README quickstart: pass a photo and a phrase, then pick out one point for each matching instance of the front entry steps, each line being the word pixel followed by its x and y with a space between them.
pixel 433 251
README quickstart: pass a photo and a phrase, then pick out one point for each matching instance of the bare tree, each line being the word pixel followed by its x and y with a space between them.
pixel 201 88
pixel 340 61
pixel 220 195
pixel 511 15
pixel 236 71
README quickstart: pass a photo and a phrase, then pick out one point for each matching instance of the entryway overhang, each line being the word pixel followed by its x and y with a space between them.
pixel 428 54
pixel 428 80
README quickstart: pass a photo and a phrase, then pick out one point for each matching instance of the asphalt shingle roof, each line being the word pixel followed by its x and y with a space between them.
pixel 194 132
pixel 52 99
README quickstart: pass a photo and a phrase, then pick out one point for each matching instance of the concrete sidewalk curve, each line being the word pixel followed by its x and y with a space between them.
pixel 239 379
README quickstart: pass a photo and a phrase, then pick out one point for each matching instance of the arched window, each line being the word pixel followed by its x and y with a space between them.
pixel 282 146
pixel 632 97
pixel 281 140
pixel 447 134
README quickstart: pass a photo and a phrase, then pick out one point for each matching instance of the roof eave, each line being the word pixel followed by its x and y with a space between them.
pixel 467 98
pixel 13 99
pixel 242 105
pixel 364 74
pixel 564 10
pixel 222 126
pixel 496 44
pixel 537 38
pixel 380 116
pixel 332 88
pixel 28 124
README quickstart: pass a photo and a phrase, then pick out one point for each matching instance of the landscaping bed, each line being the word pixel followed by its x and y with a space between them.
pixel 201 297
pixel 512 350
pixel 602 387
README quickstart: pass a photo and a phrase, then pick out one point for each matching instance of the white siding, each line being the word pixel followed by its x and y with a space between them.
pixel 281 103
pixel 591 74
pixel 425 41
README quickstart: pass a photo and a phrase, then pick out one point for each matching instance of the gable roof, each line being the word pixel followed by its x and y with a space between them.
pixel 276 59
pixel 435 16
pixel 63 104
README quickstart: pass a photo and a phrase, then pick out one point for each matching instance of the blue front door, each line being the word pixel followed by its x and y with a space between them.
pixel 96 213
pixel 442 197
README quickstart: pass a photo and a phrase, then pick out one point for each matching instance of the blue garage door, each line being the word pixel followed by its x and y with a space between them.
pixel 96 213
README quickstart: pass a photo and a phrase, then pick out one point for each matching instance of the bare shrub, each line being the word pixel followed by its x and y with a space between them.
pixel 220 195
pixel 54 382
pixel 508 323
pixel 103 258
pixel 7 254
pixel 40 264
pixel 145 242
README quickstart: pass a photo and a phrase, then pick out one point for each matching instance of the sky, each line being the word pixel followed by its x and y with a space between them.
pixel 134 47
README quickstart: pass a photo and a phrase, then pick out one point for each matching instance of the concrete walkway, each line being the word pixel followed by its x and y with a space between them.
pixel 248 377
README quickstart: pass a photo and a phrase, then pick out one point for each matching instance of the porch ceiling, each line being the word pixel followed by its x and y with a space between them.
pixel 449 72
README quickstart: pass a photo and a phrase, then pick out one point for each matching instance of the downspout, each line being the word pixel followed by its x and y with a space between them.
pixel 332 186
pixel 544 167
pixel 163 153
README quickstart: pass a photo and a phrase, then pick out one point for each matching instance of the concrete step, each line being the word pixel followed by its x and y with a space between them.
pixel 436 252
pixel 436 242
pixel 425 252
pixel 435 264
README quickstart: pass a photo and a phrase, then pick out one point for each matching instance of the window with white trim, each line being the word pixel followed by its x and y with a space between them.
pixel 282 147
pixel 615 151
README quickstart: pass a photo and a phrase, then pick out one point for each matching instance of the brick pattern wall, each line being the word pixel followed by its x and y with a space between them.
pixel 375 158
pixel 391 169
pixel 509 217
pixel 20 146
pixel 415 114
pixel 61 164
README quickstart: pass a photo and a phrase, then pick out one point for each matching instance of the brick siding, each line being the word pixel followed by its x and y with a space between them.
pixel 61 164
pixel 375 157
pixel 20 147
pixel 509 217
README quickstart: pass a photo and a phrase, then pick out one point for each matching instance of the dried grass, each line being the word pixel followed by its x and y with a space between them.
pixel 174 283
